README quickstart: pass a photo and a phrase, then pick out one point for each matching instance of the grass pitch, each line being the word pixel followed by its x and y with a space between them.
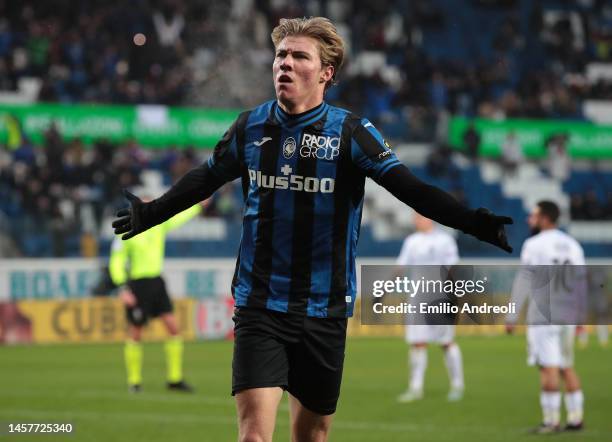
pixel 85 385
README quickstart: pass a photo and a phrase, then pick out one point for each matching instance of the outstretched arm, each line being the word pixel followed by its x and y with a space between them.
pixel 444 208
pixel 371 154
pixel 197 185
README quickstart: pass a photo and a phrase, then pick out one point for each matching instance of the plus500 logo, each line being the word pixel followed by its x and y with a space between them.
pixel 292 182
pixel 320 147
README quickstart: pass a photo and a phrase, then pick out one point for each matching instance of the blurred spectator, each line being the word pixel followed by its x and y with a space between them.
pixel 169 24
pixel 25 153
pixel 134 156
pixel 593 209
pixel 471 141
pixel 589 207
pixel 559 162
pixel 512 153
pixel 439 163
pixel 577 207
pixel 183 163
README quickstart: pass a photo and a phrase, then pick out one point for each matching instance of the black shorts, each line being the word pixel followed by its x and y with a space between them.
pixel 152 300
pixel 300 354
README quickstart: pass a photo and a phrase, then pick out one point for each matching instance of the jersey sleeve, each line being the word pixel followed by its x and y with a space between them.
pixel 404 257
pixel 200 182
pixel 578 258
pixel 521 290
pixel 450 253
pixel 522 285
pixel 370 153
pixel 527 257
pixel 181 218
pixel 581 285
pixel 225 162
pixel 117 266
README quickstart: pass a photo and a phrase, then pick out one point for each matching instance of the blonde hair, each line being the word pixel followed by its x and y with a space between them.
pixel 331 45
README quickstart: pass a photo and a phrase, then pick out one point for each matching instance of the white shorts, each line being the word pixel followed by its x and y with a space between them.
pixel 551 345
pixel 437 334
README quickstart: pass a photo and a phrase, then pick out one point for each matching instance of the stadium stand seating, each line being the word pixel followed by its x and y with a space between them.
pixel 413 64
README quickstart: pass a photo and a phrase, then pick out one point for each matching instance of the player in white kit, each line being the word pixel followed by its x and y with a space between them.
pixel 551 347
pixel 430 246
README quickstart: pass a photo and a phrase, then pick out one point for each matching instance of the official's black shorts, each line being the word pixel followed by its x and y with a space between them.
pixel 152 300
pixel 300 354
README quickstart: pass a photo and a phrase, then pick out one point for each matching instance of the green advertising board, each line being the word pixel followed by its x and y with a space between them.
pixel 152 126
pixel 586 140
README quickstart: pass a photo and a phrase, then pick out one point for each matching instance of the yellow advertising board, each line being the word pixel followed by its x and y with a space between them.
pixel 95 320
pixel 103 320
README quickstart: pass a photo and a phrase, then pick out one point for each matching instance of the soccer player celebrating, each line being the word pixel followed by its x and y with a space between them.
pixel 551 347
pixel 303 164
pixel 430 246
pixel 136 267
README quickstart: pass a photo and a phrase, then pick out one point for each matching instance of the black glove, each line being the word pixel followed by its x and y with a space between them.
pixel 489 227
pixel 129 220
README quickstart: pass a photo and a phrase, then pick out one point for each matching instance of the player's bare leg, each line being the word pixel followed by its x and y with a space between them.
pixel 602 334
pixel 307 426
pixel 257 409
pixel 454 365
pixel 174 355
pixel 418 365
pixel 550 400
pixel 574 399
pixel 582 336
pixel 549 378
pixel 570 379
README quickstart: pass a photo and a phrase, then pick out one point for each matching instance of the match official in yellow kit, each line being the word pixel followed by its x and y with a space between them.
pixel 136 267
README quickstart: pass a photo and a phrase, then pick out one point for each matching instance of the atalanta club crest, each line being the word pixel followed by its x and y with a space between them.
pixel 289 147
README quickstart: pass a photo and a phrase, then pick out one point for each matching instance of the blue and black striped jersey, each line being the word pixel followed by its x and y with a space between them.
pixel 303 180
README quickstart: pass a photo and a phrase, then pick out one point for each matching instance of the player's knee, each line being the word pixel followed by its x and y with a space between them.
pixel 312 429
pixel 323 426
pixel 316 432
pixel 571 379
pixel 252 429
pixel 550 379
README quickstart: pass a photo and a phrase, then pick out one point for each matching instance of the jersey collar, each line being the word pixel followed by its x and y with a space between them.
pixel 304 118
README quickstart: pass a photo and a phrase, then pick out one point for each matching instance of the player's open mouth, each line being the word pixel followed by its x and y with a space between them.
pixel 285 79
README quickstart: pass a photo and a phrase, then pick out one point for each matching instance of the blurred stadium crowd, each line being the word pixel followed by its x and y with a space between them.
pixel 412 65
pixel 525 60
pixel 63 191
